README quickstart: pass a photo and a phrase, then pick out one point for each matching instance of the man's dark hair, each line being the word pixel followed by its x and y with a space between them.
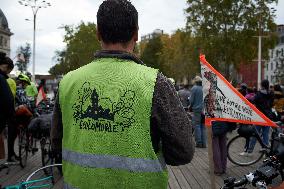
pixel 265 84
pixel 6 60
pixel 117 21
pixel 186 86
pixel 277 88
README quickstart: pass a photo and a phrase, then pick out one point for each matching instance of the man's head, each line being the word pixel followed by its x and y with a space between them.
pixel 6 64
pixel 197 80
pixel 23 80
pixel 117 22
pixel 265 84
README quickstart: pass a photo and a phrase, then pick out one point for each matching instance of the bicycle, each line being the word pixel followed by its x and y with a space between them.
pixel 27 142
pixel 263 176
pixel 48 157
pixel 240 143
pixel 43 182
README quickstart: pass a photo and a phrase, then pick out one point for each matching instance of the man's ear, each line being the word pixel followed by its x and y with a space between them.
pixel 135 36
pixel 98 34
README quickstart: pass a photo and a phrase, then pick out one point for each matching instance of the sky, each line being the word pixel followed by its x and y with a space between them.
pixel 167 15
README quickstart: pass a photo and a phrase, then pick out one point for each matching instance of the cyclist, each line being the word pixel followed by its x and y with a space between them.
pixel 31 90
pixel 120 119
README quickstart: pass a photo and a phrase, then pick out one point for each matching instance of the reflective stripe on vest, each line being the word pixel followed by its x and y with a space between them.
pixel 113 162
pixel 68 186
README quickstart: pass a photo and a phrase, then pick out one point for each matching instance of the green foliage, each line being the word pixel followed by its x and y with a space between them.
pixel 176 55
pixel 151 54
pixel 180 56
pixel 225 29
pixel 26 51
pixel 81 44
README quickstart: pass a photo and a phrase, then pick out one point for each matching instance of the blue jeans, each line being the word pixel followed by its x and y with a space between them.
pixel 263 131
pixel 200 134
pixel 199 129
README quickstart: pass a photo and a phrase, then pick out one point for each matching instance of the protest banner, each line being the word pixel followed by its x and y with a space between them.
pixel 222 102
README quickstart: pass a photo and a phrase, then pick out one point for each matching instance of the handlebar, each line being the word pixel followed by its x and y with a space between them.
pixel 259 178
pixel 232 183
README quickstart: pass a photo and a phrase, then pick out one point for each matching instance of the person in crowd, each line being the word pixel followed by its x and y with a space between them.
pixel 196 105
pixel 219 145
pixel 7 108
pixel 121 120
pixel 31 90
pixel 250 95
pixel 21 97
pixel 184 95
pixel 13 86
pixel 22 115
pixel 278 103
pixel 243 89
pixel 271 88
pixel 263 101
pixel 42 84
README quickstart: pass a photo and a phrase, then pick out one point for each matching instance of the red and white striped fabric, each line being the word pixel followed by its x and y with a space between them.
pixel 41 96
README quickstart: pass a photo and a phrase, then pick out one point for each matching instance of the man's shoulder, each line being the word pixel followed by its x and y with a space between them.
pixel 2 77
pixel 74 73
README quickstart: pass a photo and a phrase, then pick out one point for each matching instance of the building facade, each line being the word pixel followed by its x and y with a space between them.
pixel 155 33
pixel 5 34
pixel 274 68
pixel 248 73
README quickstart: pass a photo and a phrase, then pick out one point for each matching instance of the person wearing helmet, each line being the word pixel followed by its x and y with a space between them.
pixel 21 97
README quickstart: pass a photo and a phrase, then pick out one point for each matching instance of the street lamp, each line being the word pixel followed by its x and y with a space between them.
pixel 35 5
pixel 260 36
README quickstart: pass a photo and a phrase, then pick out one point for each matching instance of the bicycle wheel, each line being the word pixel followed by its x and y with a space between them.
pixel 45 154
pixel 23 147
pixel 38 180
pixel 237 151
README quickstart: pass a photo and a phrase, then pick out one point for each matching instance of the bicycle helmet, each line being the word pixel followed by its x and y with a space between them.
pixel 24 78
pixel 29 75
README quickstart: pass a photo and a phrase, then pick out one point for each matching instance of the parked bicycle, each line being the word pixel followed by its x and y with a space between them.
pixel 41 181
pixel 260 178
pixel 263 176
pixel 243 151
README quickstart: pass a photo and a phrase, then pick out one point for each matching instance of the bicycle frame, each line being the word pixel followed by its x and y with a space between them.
pixel 28 181
pixel 257 135
pixel 24 185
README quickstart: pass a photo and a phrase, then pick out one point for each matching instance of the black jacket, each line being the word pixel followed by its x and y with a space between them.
pixel 264 101
pixel 6 101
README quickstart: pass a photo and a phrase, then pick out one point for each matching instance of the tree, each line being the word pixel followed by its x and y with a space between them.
pixel 24 54
pixel 152 51
pixel 174 55
pixel 179 55
pixel 81 44
pixel 224 29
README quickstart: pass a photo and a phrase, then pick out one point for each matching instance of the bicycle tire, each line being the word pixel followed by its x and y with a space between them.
pixel 237 145
pixel 45 155
pixel 23 147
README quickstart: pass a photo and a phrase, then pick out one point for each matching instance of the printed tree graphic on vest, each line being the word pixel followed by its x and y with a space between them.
pixel 94 113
